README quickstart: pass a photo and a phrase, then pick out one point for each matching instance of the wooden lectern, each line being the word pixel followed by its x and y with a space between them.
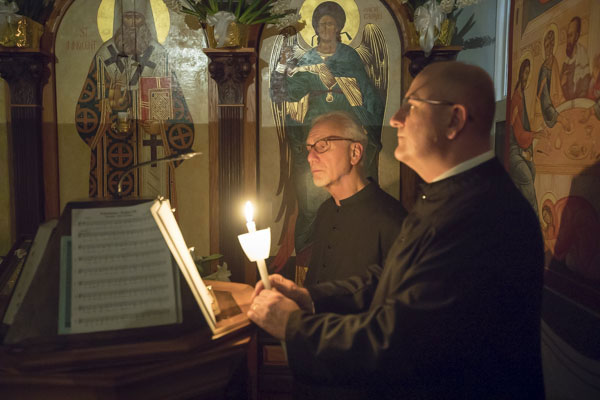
pixel 177 361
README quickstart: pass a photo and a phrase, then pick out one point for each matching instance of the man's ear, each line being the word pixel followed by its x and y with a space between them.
pixel 356 153
pixel 457 120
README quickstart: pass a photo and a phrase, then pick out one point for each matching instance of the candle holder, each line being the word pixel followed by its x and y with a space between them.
pixel 257 246
pixel 123 122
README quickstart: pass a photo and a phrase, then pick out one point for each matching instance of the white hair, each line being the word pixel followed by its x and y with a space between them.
pixel 351 128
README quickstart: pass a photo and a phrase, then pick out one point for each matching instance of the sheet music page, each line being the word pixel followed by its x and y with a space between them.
pixel 122 274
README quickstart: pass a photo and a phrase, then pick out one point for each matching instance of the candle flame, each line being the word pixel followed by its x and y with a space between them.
pixel 248 211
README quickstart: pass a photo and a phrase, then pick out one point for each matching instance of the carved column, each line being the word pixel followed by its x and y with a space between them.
pixel 230 70
pixel 26 73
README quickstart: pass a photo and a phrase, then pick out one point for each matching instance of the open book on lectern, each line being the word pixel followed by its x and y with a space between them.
pixel 116 272
pixel 229 316
pixel 163 215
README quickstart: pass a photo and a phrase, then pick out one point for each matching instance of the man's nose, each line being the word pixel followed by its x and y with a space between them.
pixel 398 118
pixel 312 155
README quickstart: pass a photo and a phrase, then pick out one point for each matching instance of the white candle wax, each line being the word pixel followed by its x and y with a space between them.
pixel 262 267
pixel 264 274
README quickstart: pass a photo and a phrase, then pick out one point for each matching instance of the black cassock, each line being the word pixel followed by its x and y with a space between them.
pixel 369 220
pixel 454 313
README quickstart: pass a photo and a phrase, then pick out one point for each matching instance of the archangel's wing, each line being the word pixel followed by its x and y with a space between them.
pixel 373 52
pixel 287 40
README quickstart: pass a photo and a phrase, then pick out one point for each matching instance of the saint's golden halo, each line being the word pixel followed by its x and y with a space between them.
pixel 547 196
pixel 106 15
pixel 526 55
pixel 352 19
pixel 551 27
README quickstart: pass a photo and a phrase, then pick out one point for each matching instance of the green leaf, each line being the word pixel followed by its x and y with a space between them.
pixel 477 42
pixel 214 6
pixel 264 10
pixel 212 257
pixel 467 27
pixel 238 10
pixel 245 17
pixel 200 269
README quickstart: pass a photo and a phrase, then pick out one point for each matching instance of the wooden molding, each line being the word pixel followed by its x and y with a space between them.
pixel 26 72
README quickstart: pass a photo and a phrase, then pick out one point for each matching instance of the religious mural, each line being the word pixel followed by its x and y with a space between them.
pixel 333 62
pixel 137 60
pixel 554 122
pixel 130 77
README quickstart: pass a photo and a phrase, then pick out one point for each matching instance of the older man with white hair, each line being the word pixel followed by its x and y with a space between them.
pixel 359 214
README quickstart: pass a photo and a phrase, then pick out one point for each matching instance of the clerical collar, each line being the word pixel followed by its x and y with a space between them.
pixel 360 195
pixel 466 165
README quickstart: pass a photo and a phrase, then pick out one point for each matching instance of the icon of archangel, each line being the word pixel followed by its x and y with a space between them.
pixel 313 72
pixel 130 78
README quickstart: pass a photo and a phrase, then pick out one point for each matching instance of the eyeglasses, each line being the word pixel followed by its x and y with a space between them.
pixel 322 145
pixel 406 106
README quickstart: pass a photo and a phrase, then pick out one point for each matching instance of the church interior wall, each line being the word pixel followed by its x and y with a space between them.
pixel 569 361
pixel 269 159
pixel 77 41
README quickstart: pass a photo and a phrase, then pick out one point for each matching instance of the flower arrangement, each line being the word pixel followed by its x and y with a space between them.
pixel 245 12
pixel 21 22
pixel 435 21
pixel 220 13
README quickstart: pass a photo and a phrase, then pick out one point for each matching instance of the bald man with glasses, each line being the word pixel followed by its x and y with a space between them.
pixel 359 214
pixel 455 311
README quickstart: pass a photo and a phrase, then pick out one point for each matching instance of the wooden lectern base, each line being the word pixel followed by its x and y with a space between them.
pixel 180 366
pixel 177 361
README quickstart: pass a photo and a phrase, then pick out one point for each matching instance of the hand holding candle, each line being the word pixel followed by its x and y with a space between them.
pixel 256 245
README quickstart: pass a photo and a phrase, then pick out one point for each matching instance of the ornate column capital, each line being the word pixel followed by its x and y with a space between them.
pixel 230 69
pixel 26 72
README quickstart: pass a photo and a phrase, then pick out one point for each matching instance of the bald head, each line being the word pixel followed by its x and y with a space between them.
pixel 445 119
pixel 464 84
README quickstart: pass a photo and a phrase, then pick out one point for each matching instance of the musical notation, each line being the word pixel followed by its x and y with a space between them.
pixel 121 274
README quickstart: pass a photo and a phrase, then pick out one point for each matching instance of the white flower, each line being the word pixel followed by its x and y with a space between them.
pixel 223 273
pixel 280 7
pixel 287 20
pixel 428 18
pixel 220 21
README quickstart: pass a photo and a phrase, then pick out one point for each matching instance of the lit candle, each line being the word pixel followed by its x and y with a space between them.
pixel 249 211
pixel 256 245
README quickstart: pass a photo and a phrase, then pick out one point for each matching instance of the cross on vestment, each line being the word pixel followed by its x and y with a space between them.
pixel 143 63
pixel 153 142
pixel 114 58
